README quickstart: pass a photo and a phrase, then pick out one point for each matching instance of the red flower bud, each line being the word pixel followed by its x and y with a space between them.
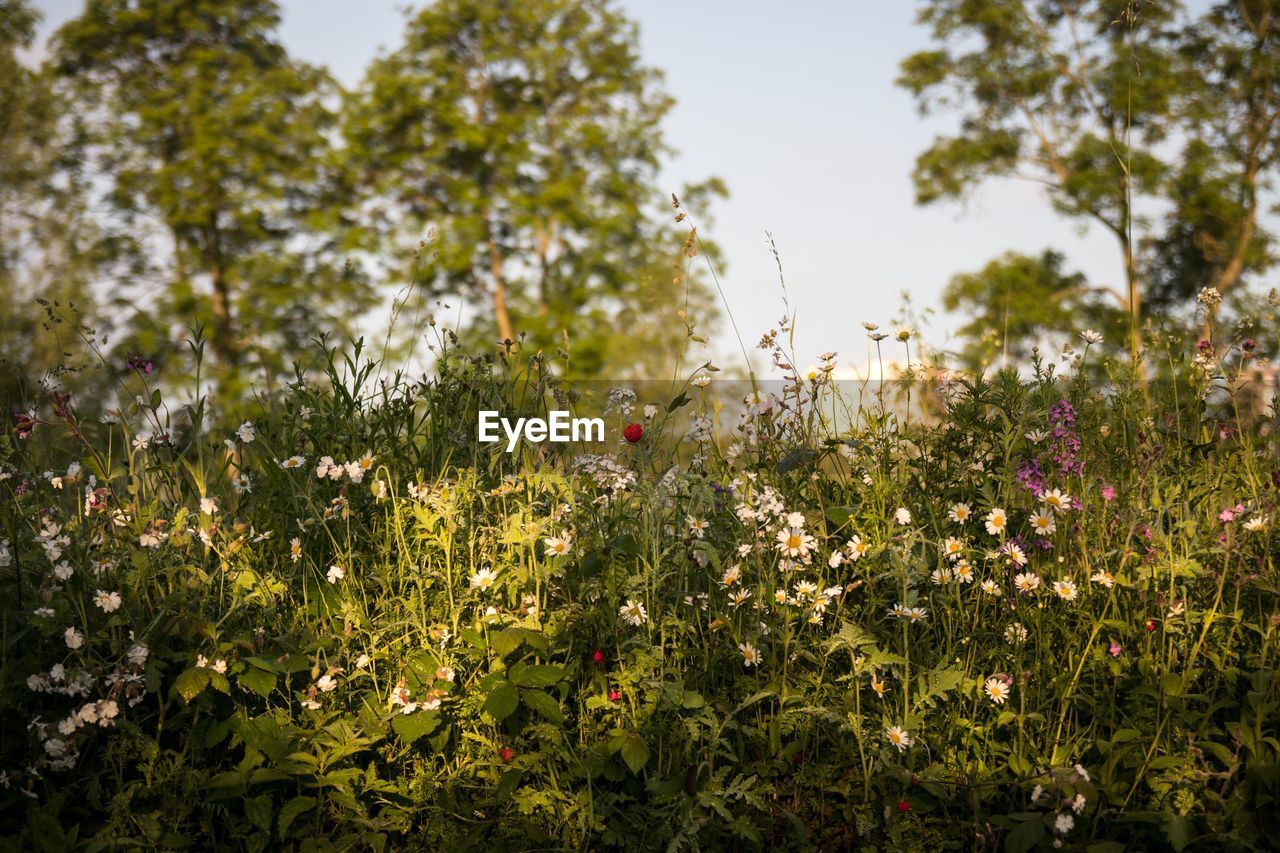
pixel 903 807
pixel 506 754
pixel 597 657
pixel 633 432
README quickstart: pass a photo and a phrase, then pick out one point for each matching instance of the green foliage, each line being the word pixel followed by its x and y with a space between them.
pixel 525 136
pixel 194 116
pixel 382 643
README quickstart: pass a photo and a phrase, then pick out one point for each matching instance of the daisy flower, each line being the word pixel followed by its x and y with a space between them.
pixel 794 542
pixel 731 576
pixel 1104 577
pixel 740 598
pixel 1026 582
pixel 293 462
pixel 556 546
pixel 697 527
pixel 1042 524
pixel 990 587
pixel 633 612
pixel 952 548
pixel 997 690
pixel 483 579
pixel 295 549
pixel 898 736
pixel 750 654
pixel 856 548
pixel 997 521
pixel 963 572
pixel 1066 590
pixel 1056 500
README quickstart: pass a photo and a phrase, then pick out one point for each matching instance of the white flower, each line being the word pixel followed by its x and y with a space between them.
pixel 750 654
pixel 326 683
pixel 483 579
pixel 141 441
pixel 1026 582
pixel 1078 804
pixel 1104 577
pixel 650 411
pixel 241 484
pixel 1255 524
pixel 74 638
pixel 219 666
pixel 294 462
pixel 335 573
pixel 107 601
pixel 1016 633
pixel 295 549
pixel 1056 500
pixel 63 571
pixel 1066 590
pixel 856 548
pixel 902 515
pixel 246 432
pixel 1081 772
pixel 996 521
pixel 794 542
pixel 633 612
pixel 1063 823
pixel 997 689
pixel 209 506
pixel 138 655
pixel 1089 336
pixel 990 587
pixel 898 737
pixel 959 513
pixel 1042 524
pixel 556 546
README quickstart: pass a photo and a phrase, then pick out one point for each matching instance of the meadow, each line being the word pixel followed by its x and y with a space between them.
pixel 1034 609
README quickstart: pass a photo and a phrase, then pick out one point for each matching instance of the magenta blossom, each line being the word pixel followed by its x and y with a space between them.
pixel 1114 649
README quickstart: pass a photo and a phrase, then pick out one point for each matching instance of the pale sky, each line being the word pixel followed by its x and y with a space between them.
pixel 794 106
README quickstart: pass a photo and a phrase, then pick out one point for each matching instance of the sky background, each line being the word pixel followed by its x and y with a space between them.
pixel 794 106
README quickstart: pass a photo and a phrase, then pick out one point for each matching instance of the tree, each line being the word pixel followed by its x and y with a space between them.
pixel 215 146
pixel 1116 106
pixel 526 136
pixel 1017 302
pixel 1229 119
pixel 47 242
pixel 1053 92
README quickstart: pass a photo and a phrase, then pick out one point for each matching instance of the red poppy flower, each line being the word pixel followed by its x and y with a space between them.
pixel 633 432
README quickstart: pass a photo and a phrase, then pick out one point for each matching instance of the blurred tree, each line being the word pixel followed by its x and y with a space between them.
pixel 215 149
pixel 47 242
pixel 525 136
pixel 1108 104
pixel 1053 92
pixel 1018 302
pixel 1213 236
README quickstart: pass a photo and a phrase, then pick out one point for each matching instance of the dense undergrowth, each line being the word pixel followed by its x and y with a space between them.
pixel 1020 611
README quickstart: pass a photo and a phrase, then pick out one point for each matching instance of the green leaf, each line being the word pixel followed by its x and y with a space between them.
pixel 502 702
pixel 505 642
pixel 544 704
pixel 257 680
pixel 635 752
pixel 1024 837
pixel 292 809
pixel 410 727
pixel 258 810
pixel 1178 830
pixel 678 402
pixel 192 682
pixel 537 675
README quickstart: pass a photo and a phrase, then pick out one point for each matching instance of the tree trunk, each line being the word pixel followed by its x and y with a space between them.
pixel 500 314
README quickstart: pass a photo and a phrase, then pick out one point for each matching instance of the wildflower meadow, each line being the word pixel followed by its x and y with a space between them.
pixel 1028 610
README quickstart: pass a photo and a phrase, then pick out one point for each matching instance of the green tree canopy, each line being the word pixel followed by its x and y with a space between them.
pixel 215 148
pixel 525 136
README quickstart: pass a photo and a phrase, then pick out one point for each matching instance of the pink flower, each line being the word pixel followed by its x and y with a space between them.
pixel 1114 649
pixel 1108 493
